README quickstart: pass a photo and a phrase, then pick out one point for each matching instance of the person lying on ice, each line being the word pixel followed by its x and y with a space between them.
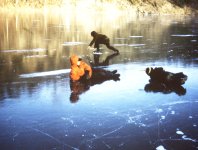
pixel 159 75
pixel 101 39
pixel 79 69
pixel 164 81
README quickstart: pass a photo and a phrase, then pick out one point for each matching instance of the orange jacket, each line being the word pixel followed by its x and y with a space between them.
pixel 78 70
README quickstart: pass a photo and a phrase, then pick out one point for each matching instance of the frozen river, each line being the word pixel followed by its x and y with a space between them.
pixel 38 112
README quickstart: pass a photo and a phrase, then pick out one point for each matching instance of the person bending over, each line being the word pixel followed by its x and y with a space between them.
pixel 101 39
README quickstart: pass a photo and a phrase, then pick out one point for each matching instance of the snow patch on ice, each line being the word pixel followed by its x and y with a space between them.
pixel 137 36
pixel 160 148
pixel 120 44
pixel 172 112
pixel 179 132
pixel 183 35
pixel 175 103
pixel 135 45
pixel 190 117
pixel 47 73
pixel 158 110
pixel 193 40
pixel 72 43
pixel 188 139
pixel 163 117
pixel 38 56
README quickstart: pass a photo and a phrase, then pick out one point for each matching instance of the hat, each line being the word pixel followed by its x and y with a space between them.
pixel 93 33
pixel 148 70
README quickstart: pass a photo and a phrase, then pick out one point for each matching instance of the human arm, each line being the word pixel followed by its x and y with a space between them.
pixel 92 42
pixel 88 68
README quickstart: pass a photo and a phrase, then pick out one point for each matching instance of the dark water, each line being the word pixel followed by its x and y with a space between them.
pixel 37 113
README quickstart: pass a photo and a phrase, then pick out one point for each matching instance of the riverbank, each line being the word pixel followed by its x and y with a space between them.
pixel 136 6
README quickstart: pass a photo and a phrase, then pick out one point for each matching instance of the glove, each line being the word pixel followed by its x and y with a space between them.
pixel 89 48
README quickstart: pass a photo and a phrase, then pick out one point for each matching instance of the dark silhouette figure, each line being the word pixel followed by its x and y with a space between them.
pixel 101 39
pixel 156 87
pixel 164 81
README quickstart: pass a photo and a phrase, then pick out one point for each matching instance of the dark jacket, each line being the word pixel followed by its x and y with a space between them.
pixel 158 74
pixel 99 38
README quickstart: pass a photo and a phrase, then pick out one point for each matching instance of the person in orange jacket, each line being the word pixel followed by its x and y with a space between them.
pixel 79 69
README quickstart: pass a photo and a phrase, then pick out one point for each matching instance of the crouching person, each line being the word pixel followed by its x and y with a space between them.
pixel 158 74
pixel 80 70
pixel 165 82
pixel 82 77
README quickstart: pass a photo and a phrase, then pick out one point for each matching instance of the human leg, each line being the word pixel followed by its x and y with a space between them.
pixel 111 47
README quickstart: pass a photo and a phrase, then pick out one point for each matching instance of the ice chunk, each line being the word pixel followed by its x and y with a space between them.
pixel 179 132
pixel 158 110
pixel 137 36
pixel 183 35
pixel 135 45
pixel 160 148
pixel 172 112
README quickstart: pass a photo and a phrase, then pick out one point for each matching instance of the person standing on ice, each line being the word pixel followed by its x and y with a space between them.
pixel 101 39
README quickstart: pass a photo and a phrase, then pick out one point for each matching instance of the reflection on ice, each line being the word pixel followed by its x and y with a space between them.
pixel 47 73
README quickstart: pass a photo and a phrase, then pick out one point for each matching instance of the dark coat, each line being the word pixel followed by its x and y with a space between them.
pixel 158 74
pixel 99 39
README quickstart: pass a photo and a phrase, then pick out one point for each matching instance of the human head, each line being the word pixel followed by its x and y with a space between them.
pixel 148 70
pixel 79 61
pixel 75 60
pixel 93 33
